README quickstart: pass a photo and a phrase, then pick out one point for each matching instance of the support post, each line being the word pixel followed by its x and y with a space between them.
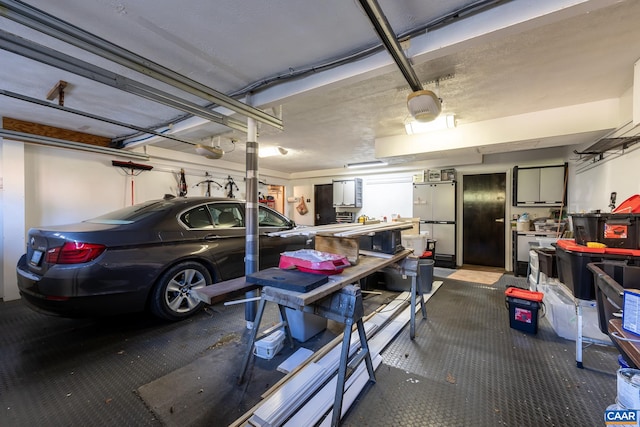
pixel 251 216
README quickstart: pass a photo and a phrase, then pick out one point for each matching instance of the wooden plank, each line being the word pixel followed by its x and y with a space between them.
pixel 323 400
pixel 346 246
pixel 375 228
pixel 279 406
pixel 296 359
pixel 54 132
pixel 349 275
pixel 630 348
pixel 209 293
pixel 352 229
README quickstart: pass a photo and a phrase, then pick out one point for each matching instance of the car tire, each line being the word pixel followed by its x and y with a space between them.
pixel 173 297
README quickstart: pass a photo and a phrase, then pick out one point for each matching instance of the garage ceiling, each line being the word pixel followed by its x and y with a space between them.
pixel 320 66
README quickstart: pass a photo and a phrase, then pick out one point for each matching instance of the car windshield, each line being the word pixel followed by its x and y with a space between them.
pixel 131 214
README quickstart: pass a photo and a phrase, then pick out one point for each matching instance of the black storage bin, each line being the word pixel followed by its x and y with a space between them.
pixel 588 227
pixel 621 231
pixel 523 315
pixel 611 277
pixel 523 308
pixel 547 261
pixel 572 271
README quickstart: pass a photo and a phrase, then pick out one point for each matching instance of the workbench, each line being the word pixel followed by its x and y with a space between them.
pixel 337 300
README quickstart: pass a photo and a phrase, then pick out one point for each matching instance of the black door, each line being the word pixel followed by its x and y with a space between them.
pixel 483 225
pixel 325 212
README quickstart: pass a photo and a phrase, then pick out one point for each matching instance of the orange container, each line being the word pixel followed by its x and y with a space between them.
pixel 631 205
pixel 524 294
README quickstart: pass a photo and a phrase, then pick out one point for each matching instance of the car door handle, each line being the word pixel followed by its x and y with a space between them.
pixel 213 237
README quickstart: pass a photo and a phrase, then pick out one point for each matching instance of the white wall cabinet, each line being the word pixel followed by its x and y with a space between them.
pixel 536 186
pixel 347 193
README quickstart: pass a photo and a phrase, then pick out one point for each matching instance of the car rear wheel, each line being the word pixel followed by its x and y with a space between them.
pixel 173 297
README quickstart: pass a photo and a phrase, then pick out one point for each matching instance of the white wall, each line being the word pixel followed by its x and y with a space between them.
pixel 12 190
pixel 592 187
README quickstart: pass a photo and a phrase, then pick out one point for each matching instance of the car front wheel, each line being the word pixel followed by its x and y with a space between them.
pixel 173 296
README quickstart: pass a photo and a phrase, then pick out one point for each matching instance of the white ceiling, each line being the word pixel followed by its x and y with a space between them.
pixel 506 72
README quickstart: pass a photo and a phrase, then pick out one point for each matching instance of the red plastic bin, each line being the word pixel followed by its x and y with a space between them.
pixel 631 205
pixel 312 261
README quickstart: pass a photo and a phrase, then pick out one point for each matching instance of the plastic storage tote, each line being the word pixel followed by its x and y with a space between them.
pixel 523 308
pixel 572 269
pixel 611 279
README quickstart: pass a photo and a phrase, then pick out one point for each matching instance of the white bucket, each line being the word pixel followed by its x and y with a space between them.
pixel 417 242
pixel 629 388
pixel 523 225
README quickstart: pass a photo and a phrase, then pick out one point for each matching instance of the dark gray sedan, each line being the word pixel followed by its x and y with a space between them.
pixel 148 256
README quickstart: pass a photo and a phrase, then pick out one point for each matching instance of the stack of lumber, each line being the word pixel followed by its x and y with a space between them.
pixel 306 395
pixel 343 230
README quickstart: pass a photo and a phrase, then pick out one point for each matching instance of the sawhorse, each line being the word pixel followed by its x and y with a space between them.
pixel 344 306
pixel 409 267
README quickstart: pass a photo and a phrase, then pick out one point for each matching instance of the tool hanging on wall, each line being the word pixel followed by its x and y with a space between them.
pixel 131 169
pixel 208 181
pixel 182 184
pixel 229 185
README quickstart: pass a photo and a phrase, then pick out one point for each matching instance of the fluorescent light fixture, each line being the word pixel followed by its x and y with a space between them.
pixel 272 151
pixel 443 122
pixel 373 163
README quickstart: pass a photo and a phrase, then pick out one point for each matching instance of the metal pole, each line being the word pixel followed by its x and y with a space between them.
pixel 251 216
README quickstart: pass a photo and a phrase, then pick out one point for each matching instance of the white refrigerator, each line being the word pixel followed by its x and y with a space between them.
pixel 435 204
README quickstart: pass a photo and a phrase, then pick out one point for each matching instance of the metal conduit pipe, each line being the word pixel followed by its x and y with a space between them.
pixel 28 49
pixel 54 27
pixel 388 38
pixel 89 115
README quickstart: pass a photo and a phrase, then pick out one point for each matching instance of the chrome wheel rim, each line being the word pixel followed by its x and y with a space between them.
pixel 179 294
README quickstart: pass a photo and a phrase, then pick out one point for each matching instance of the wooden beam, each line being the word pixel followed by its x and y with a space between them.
pixel 54 132
pixel 57 92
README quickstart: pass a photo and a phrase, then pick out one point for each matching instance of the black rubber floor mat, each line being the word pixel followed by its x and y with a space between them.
pixel 466 367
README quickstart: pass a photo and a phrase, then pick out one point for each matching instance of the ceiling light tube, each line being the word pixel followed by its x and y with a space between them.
pixel 373 163
pixel 443 122
pixel 271 151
